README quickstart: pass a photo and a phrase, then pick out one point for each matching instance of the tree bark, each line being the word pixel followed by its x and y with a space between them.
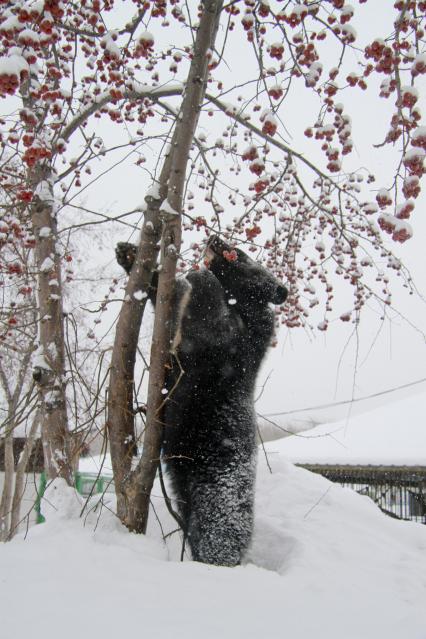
pixel 137 488
pixel 120 422
pixel 9 470
pixel 21 467
pixel 13 396
pixel 121 418
pixel 49 370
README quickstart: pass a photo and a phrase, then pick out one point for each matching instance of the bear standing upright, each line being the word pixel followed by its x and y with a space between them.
pixel 221 330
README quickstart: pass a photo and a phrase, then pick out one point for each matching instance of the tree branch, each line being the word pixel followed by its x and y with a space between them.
pixel 136 92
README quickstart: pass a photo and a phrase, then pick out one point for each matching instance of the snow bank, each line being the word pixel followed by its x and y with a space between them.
pixel 324 563
pixel 392 434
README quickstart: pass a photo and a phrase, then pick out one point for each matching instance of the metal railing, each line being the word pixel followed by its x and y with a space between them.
pixel 399 491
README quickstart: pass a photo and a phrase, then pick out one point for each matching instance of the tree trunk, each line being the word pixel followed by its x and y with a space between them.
pixel 135 493
pixel 9 471
pixel 21 467
pixel 120 422
pixel 49 367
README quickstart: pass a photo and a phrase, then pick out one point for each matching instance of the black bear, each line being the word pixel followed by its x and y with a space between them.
pixel 221 330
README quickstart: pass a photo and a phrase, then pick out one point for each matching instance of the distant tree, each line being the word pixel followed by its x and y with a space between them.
pixel 18 337
pixel 200 96
pixel 20 358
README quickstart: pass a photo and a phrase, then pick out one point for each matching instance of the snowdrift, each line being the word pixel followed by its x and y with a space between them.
pixel 392 434
pixel 324 563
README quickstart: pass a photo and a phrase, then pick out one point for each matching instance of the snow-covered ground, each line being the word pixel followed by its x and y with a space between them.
pixel 324 563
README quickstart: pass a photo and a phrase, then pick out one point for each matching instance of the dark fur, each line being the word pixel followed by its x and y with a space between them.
pixel 223 328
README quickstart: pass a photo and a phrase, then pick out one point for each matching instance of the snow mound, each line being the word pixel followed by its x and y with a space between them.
pixel 324 562
pixel 391 434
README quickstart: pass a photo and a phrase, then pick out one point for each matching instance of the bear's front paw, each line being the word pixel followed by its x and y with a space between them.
pixel 125 254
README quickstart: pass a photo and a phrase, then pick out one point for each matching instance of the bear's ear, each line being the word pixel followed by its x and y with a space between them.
pixel 223 254
pixel 216 246
pixel 280 295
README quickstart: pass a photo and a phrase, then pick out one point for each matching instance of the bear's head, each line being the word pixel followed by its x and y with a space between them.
pixel 242 278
